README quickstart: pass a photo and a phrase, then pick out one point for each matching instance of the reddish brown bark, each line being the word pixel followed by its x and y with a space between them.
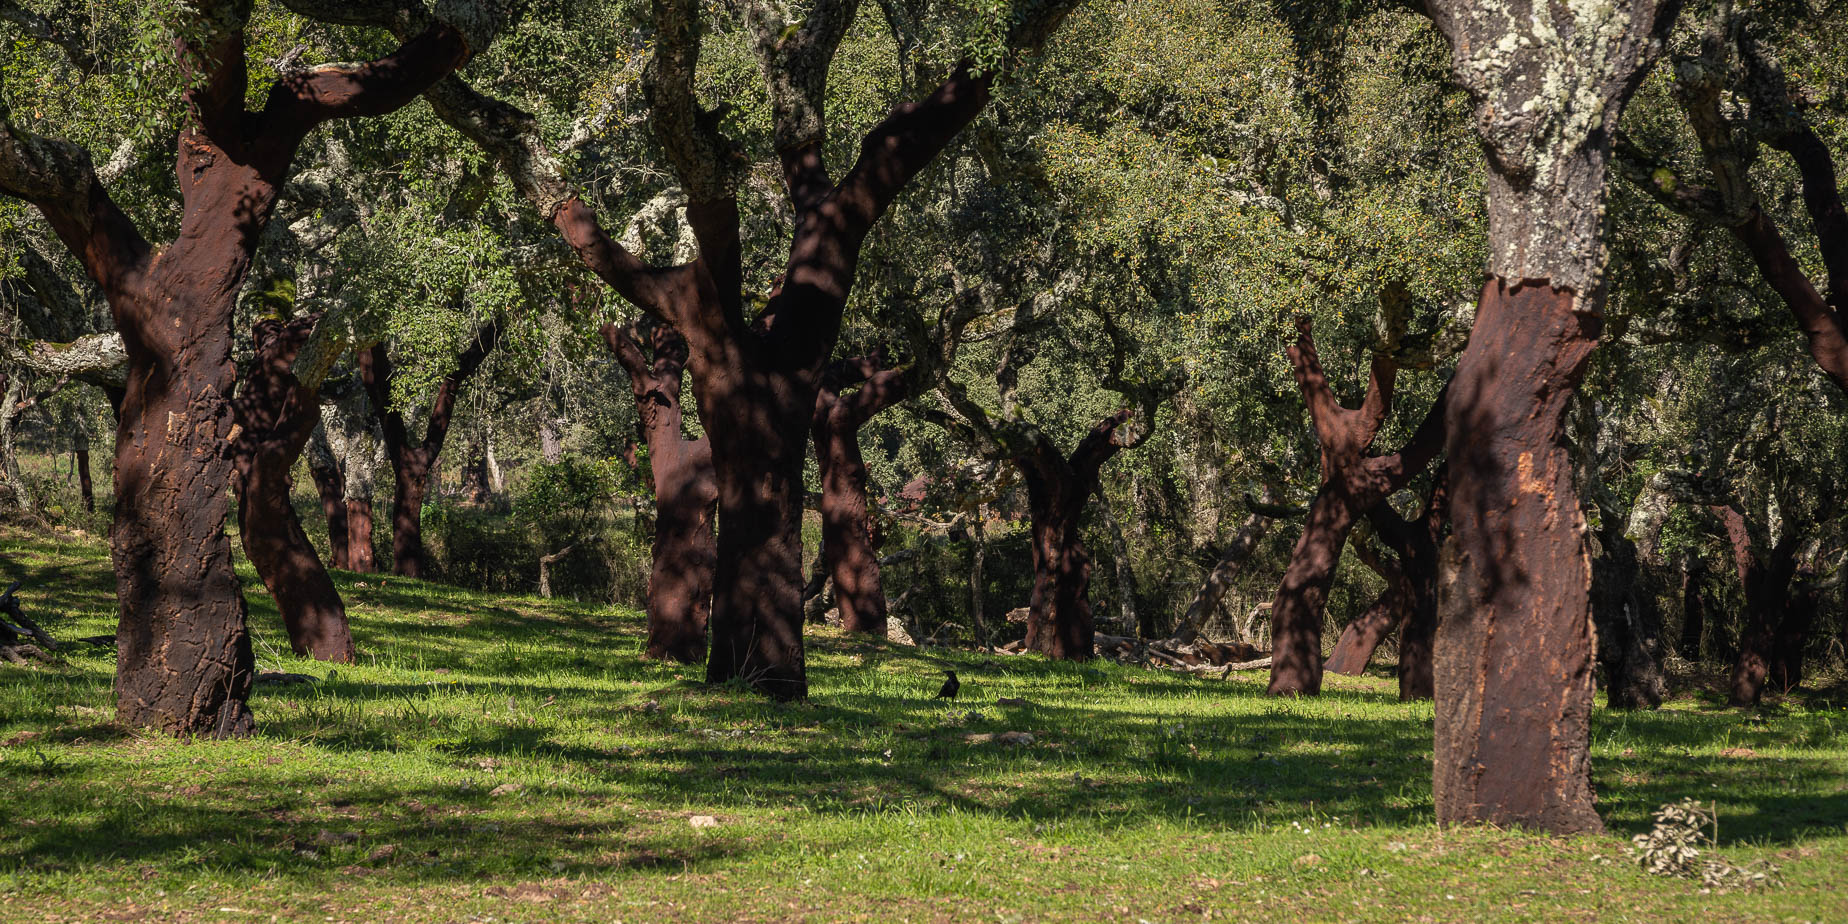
pixel 328 484
pixel 1514 641
pixel 849 539
pixel 1363 636
pixel 685 555
pixel 413 463
pixel 1352 483
pixel 1059 620
pixel 1766 646
pixel 757 380
pixel 275 416
pixel 1409 602
pixel 359 535
pixel 184 661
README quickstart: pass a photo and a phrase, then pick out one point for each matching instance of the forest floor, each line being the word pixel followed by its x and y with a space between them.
pixel 502 758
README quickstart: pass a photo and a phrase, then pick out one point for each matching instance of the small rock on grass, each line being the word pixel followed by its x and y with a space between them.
pixel 703 821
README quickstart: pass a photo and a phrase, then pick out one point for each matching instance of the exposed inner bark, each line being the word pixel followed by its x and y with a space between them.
pixel 1514 641
pixel 183 651
pixel 1409 602
pixel 849 538
pixel 756 379
pixel 685 555
pixel 328 484
pixel 1777 617
pixel 1352 484
pixel 412 463
pixel 275 416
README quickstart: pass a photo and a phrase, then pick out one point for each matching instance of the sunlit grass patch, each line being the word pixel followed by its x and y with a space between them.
pixel 514 758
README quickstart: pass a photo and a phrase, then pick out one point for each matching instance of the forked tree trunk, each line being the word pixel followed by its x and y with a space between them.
pixel 413 463
pixel 1513 671
pixel 1410 600
pixel 1352 484
pixel 183 652
pixel 1059 619
pixel 275 415
pixel 756 379
pixel 1060 624
pixel 849 539
pixel 685 557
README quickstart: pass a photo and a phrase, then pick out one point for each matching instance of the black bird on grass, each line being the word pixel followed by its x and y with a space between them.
pixel 950 687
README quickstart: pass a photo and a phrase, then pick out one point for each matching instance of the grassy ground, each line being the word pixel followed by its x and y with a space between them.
pixel 512 759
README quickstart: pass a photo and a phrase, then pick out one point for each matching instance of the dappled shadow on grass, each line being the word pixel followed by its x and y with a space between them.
pixel 405 832
pixel 464 692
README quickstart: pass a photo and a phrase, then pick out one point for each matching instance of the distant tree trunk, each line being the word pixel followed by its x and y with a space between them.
pixel 1219 580
pixel 329 484
pixel 1693 608
pixel 978 539
pixel 551 445
pixel 1059 620
pixel 1766 577
pixel 275 416
pixel 1362 637
pixel 1352 484
pixel 1513 669
pixel 475 490
pixel 80 460
pixel 1629 626
pixel 1125 574
pixel 412 463
pixel 1784 670
pixel 1410 599
pixel 849 539
pixel 680 584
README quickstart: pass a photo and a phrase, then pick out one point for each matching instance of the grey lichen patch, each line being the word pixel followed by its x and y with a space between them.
pixel 1549 81
pixel 479 21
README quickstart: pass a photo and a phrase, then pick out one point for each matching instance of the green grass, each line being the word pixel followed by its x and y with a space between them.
pixel 371 795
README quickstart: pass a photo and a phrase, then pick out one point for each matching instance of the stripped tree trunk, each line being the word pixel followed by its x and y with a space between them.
pixel 413 463
pixel 1352 484
pixel 680 582
pixel 756 379
pixel 1410 600
pixel 849 538
pixel 329 485
pixel 1513 671
pixel 183 652
pixel 275 414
